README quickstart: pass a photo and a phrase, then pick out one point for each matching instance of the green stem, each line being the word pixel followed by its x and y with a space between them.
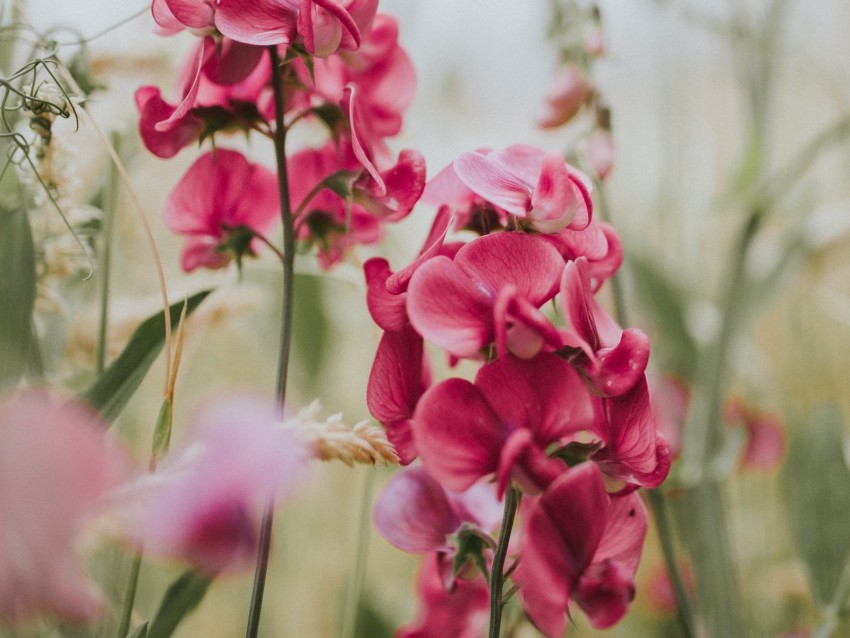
pixel 110 197
pixel 836 607
pixel 497 575
pixel 357 575
pixel 130 597
pixel 264 546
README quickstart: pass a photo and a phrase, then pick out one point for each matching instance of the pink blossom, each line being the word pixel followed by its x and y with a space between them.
pixel 600 246
pixel 172 16
pixel 765 438
pixel 491 291
pixel 56 463
pixel 569 92
pixel 324 26
pixel 463 613
pixel 214 86
pixel 219 194
pixel 529 184
pixel 613 359
pixel 417 515
pixel 503 423
pixel 205 501
pixel 580 544
pixel 670 399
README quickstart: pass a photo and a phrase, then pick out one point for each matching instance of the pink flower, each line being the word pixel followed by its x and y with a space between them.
pixel 219 86
pixel 600 151
pixel 221 194
pixel 491 291
pixel 600 246
pixel 205 501
pixel 502 424
pixel 172 16
pixel 569 92
pixel 578 543
pixel 612 359
pixel 417 515
pixel 765 438
pixel 463 613
pixel 324 26
pixel 56 462
pixel 529 184
pixel 671 403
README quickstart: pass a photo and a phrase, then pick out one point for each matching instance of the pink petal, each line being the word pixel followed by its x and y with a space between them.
pixel 153 110
pixel 199 251
pixel 167 24
pixel 204 51
pixel 233 62
pixel 403 185
pixel 258 22
pixel 413 513
pixel 359 143
pixel 569 92
pixel 561 534
pixel 555 202
pixel 525 261
pixel 457 434
pixel 56 462
pixel 195 14
pixel 493 183
pixel 618 369
pixel 396 379
pixel 397 283
pixel 387 310
pixel 448 309
pixel 520 327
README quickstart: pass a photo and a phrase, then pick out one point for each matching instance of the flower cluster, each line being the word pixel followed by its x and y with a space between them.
pixel 342 65
pixel 558 408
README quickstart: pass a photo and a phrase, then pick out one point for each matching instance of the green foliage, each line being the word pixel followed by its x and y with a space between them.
pixel 666 303
pixel 111 392
pixel 17 295
pixel 181 598
pixel 817 486
pixel 311 329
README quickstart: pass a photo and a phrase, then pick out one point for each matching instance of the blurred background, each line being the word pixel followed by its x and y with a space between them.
pixel 730 192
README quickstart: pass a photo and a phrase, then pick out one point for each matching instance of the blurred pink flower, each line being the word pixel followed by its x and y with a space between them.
pixel 220 193
pixel 765 438
pixel 56 461
pixel 569 92
pixel 599 147
pixel 204 503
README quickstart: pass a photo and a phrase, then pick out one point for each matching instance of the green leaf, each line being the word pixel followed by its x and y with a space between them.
pixel 139 632
pixel 111 392
pixel 817 486
pixel 17 295
pixel 183 595
pixel 162 432
pixel 311 329
pixel 660 297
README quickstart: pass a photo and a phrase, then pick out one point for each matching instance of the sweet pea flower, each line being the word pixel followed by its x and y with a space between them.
pixel 491 291
pixel 600 151
pixel 612 359
pixel 503 423
pixel 461 613
pixel 204 503
pixel 57 462
pixel 323 26
pixel 214 86
pixel 765 438
pixel 569 92
pixel 530 184
pixel 578 543
pixel 221 194
pixel 415 513
pixel 599 245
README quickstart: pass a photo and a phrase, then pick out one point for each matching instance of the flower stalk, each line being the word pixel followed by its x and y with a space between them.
pixel 287 220
pixel 497 573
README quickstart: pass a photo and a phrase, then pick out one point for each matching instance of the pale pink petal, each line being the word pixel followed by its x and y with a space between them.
pixel 494 183
pixel 359 143
pixel 569 92
pixel 56 462
pixel 199 251
pixel 167 24
pixel 195 14
pixel 555 201
pixel 258 22
pixel 413 513
pixel 205 50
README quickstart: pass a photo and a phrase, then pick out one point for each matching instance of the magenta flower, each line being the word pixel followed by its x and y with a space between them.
pixel 600 246
pixel 503 424
pixel 612 359
pixel 415 513
pixel 569 92
pixel 214 85
pixel 56 463
pixel 491 291
pixel 205 501
pixel 221 194
pixel 172 16
pixel 324 26
pixel 580 544
pixel 529 184
pixel 463 613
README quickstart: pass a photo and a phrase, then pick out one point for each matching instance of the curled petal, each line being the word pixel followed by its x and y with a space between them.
pixel 258 22
pixel 387 309
pixel 492 182
pixel 397 283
